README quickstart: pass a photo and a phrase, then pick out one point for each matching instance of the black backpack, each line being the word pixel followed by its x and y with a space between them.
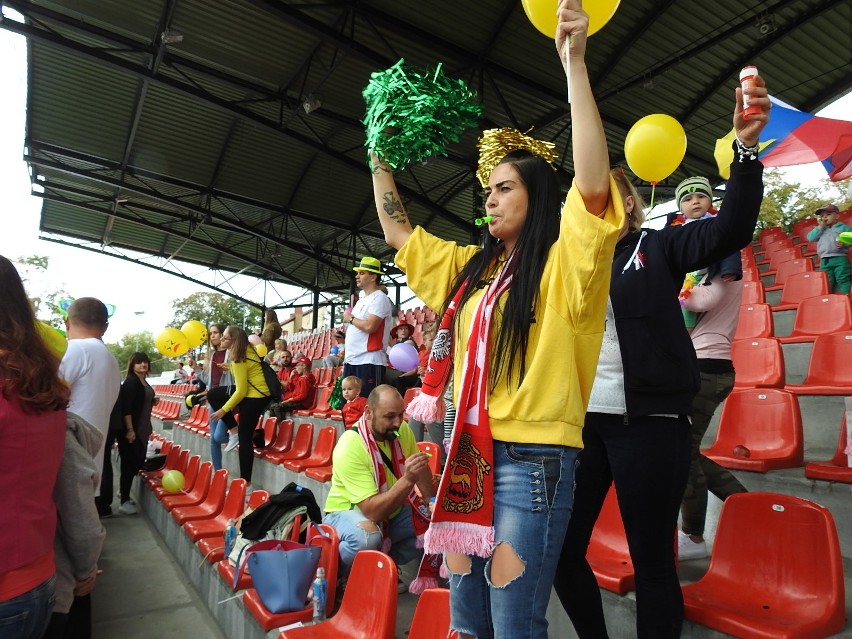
pixel 276 392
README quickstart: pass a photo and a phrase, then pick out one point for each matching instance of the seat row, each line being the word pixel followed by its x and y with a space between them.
pixel 368 607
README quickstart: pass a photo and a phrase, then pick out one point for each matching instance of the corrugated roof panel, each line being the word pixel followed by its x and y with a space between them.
pixel 179 136
pixel 133 19
pixel 71 99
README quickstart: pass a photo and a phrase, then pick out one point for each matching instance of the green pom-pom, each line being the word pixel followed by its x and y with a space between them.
pixel 414 114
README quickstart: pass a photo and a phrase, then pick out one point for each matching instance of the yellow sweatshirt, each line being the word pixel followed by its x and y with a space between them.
pixel 565 340
pixel 248 379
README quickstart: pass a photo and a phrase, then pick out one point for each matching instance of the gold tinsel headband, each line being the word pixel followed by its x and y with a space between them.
pixel 494 144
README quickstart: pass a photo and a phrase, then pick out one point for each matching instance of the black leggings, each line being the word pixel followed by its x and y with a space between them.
pixel 648 459
pixel 251 408
pixel 132 456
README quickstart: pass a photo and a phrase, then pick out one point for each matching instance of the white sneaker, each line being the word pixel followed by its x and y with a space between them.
pixel 688 549
pixel 127 508
pixel 233 442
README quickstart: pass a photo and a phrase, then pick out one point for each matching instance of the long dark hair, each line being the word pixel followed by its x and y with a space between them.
pixel 29 369
pixel 137 358
pixel 540 231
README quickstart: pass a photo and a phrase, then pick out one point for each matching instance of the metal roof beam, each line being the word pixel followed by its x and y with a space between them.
pixel 240 228
pixel 724 76
pixel 214 102
pixel 146 265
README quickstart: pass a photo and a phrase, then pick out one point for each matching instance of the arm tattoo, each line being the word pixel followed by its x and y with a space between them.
pixel 393 207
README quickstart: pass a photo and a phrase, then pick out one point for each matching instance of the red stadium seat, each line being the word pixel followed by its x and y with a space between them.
pixel 321 455
pixel 301 445
pixel 189 475
pixel 752 293
pixel 322 410
pixel 837 468
pixel 368 608
pixel 800 286
pixel 432 616
pixel 211 505
pixel 772 234
pixel 306 412
pixel 195 490
pixel 172 455
pixel 786 269
pixel 328 560
pixel 435 451
pixel 780 252
pixel 320 473
pixel 755 320
pixel 830 368
pixel 213 548
pixel 820 315
pixel 608 554
pixel 760 429
pixel 776 571
pixel 214 526
pixel 759 362
pixel 283 439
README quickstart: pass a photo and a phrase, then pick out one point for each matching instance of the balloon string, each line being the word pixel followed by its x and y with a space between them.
pixel 567 48
pixel 653 190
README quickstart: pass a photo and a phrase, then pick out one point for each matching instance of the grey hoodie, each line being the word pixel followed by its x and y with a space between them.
pixel 79 534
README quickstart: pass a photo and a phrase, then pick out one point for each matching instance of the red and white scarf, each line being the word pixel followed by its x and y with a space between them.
pixel 463 518
pixel 427 575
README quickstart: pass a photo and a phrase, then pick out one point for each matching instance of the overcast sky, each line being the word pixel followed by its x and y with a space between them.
pixel 142 296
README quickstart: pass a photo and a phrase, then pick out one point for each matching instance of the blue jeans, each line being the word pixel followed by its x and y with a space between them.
pixel 533 497
pixel 354 538
pixel 26 616
pixel 218 436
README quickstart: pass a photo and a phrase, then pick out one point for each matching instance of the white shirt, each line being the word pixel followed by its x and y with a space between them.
pixel 369 348
pixel 92 373
pixel 607 394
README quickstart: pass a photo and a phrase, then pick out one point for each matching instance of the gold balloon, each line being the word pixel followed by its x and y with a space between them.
pixel 171 343
pixel 655 146
pixel 542 14
pixel 195 332
pixel 261 349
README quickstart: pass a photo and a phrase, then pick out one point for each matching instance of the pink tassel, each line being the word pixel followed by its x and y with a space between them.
pixel 422 583
pixel 426 409
pixel 458 537
pixel 443 572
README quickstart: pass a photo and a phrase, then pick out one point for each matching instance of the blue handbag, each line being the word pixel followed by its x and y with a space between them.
pixel 282 572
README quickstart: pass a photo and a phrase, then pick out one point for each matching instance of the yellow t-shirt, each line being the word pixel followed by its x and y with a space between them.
pixel 248 379
pixel 352 479
pixel 564 341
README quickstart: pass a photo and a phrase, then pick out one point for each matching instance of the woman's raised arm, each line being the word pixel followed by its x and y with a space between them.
pixel 591 157
pixel 392 215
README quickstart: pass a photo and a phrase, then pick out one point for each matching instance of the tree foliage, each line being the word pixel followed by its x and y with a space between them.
pixel 209 308
pixel 45 302
pixel 142 342
pixel 784 203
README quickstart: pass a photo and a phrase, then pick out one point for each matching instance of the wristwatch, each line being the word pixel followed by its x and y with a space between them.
pixel 351 319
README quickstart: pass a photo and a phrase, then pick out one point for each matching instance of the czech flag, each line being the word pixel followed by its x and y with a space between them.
pixel 795 137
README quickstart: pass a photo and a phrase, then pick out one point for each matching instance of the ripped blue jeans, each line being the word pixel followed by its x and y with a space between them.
pixel 533 498
pixel 353 537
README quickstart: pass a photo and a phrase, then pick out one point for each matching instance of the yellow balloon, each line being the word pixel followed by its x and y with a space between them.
pixel 542 14
pixel 54 339
pixel 195 332
pixel 655 146
pixel 261 349
pixel 171 343
pixel 173 481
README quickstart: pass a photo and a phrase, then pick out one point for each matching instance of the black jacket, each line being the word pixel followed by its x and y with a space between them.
pixel 660 367
pixel 132 399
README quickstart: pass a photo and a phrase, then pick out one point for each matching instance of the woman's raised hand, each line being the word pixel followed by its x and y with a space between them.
pixel 571 30
pixel 748 131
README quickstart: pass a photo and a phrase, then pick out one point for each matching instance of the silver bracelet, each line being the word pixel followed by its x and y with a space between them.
pixel 746 152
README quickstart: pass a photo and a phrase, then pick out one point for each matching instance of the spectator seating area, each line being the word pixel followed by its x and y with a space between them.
pixel 766 578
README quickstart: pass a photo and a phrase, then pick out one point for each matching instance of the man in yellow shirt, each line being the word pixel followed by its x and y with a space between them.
pixel 376 467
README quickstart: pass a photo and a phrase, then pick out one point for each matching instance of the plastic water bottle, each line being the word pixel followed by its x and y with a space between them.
pixel 230 536
pixel 319 592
